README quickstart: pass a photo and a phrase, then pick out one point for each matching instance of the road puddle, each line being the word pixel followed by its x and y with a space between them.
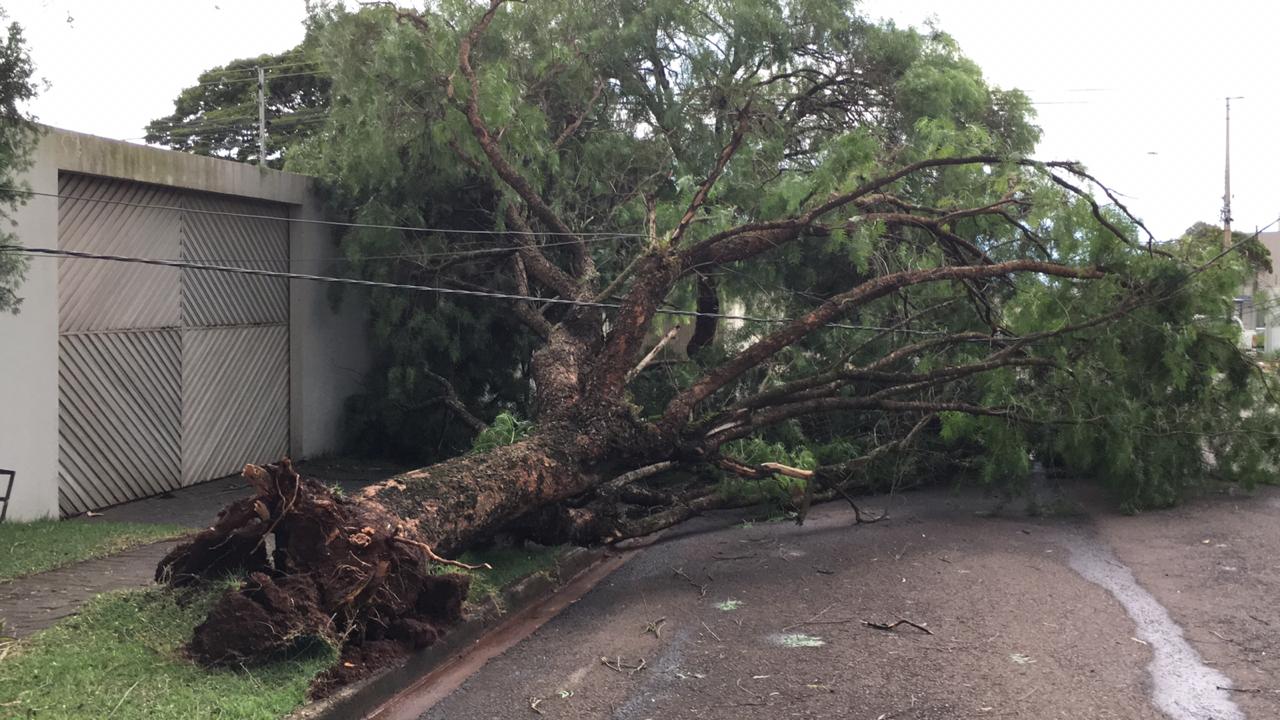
pixel 1183 687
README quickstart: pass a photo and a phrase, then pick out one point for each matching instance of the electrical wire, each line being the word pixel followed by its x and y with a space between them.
pixel 312 221
pixel 283 122
pixel 182 264
pixel 233 81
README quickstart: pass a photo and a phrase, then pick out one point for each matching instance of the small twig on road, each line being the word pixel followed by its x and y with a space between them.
pixel 821 612
pixel 702 589
pixel 760 699
pixel 618 665
pixel 655 627
pixel 713 632
pixel 899 621
pixel 533 704
pixel 734 557
pixel 901 552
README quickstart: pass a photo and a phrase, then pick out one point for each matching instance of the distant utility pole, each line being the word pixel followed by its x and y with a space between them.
pixel 261 115
pixel 1226 195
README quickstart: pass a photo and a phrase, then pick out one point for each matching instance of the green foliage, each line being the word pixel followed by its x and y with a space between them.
pixel 754 451
pixel 396 150
pixel 505 429
pixel 510 565
pixel 1141 401
pixel 218 116
pixel 777 492
pixel 43 545
pixel 122 657
pixel 18 137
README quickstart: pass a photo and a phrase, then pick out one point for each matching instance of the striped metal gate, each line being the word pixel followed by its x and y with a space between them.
pixel 167 377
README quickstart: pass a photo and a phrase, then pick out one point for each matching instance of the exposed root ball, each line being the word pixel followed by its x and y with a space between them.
pixel 263 618
pixel 341 571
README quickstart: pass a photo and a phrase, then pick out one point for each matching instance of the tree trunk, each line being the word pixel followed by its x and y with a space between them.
pixel 358 571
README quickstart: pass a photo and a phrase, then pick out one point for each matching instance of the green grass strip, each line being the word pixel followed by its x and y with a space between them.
pixel 121 658
pixel 33 547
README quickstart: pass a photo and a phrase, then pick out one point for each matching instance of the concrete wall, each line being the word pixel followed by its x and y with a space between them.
pixel 328 348
pixel 328 354
pixel 29 357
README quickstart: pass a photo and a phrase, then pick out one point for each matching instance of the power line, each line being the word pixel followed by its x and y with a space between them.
pixel 254 69
pixel 182 264
pixel 407 255
pixel 283 121
pixel 232 81
pixel 311 221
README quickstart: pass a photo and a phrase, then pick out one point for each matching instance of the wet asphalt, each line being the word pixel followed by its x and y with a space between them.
pixel 1094 615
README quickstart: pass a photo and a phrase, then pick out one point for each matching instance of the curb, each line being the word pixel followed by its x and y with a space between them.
pixel 366 696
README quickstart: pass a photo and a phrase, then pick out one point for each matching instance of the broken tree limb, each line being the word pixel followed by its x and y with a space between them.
pixel 638 474
pixel 653 353
pixel 787 470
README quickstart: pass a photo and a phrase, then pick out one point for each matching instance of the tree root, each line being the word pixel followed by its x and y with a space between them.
pixel 343 572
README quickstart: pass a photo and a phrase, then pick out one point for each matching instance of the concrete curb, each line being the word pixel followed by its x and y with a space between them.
pixel 366 696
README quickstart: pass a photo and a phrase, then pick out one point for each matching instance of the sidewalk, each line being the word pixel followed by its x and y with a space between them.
pixel 35 602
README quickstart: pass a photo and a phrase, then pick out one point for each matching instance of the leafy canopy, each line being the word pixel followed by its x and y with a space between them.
pixel 614 113
pixel 575 91
pixel 218 115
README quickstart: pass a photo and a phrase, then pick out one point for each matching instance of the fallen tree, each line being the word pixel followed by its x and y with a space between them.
pixel 952 291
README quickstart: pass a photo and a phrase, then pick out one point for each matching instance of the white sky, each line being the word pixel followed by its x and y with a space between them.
pixel 1126 78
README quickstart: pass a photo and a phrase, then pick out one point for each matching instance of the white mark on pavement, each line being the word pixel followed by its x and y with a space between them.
pixel 797 640
pixel 1183 687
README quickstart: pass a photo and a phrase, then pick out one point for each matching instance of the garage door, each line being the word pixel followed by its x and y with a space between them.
pixel 167 377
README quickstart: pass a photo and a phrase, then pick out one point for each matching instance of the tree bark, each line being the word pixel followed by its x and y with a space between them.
pixel 359 571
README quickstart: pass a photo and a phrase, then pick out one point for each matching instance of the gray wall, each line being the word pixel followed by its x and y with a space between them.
pixel 328 352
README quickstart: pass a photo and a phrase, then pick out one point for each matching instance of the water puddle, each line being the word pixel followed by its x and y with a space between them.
pixel 1183 687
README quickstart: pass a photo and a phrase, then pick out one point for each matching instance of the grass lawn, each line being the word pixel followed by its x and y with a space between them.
pixel 32 547
pixel 509 565
pixel 122 657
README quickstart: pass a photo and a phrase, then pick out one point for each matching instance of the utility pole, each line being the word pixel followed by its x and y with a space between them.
pixel 1226 195
pixel 261 115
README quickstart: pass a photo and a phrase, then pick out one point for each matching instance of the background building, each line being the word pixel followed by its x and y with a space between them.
pixel 122 380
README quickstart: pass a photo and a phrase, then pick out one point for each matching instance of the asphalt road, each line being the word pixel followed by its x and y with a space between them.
pixel 1092 616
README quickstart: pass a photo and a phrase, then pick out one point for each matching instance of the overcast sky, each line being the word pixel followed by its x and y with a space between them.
pixel 1133 89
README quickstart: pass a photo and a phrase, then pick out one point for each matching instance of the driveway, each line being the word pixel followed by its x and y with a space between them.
pixel 1170 614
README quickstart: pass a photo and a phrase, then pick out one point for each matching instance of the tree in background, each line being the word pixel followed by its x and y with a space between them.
pixel 18 137
pixel 218 116
pixel 915 288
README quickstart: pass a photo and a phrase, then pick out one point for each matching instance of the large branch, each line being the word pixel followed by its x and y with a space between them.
pixel 512 177
pixel 704 190
pixel 524 310
pixel 813 406
pixel 786 390
pixel 754 414
pixel 543 269
pixel 679 409
pixel 765 235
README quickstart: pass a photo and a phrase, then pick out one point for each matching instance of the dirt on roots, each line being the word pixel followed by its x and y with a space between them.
pixel 317 567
